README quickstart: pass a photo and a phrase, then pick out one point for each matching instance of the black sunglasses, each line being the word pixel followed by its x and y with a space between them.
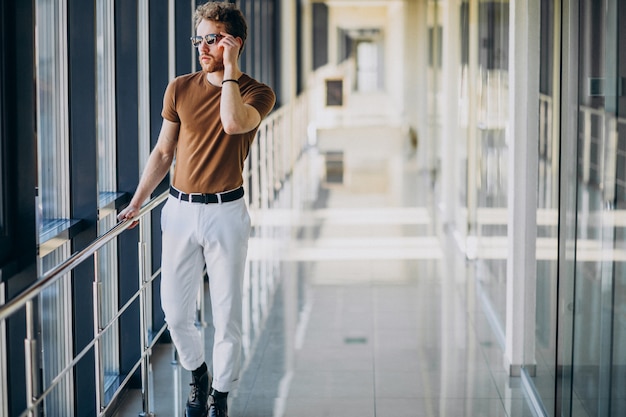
pixel 209 38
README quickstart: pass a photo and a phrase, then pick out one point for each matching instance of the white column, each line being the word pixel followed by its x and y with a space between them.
pixel 451 64
pixel 472 103
pixel 522 138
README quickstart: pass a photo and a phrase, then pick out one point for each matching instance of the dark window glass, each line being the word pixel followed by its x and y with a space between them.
pixel 320 35
pixel 334 92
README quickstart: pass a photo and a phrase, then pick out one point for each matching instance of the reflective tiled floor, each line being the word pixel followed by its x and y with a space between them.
pixel 368 312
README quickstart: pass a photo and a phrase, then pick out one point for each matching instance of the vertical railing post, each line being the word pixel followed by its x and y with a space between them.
pixel 586 168
pixel 97 329
pixel 30 356
pixel 271 167
pixel 146 373
pixel 263 163
pixel 255 190
pixel 177 369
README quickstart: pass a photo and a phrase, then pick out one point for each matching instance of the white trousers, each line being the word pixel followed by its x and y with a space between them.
pixel 195 234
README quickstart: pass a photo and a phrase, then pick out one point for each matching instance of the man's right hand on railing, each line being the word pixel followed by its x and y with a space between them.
pixel 130 212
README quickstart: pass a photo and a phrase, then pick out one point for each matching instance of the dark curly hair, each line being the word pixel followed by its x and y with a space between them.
pixel 226 13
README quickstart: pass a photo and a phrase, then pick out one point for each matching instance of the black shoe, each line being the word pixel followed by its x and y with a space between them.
pixel 197 403
pixel 219 405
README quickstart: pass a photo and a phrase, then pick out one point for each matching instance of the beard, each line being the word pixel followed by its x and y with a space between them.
pixel 212 65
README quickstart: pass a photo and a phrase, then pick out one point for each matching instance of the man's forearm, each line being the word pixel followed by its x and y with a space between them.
pixel 156 168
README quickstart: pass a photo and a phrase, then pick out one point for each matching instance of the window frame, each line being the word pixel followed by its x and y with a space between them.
pixel 17 156
pixel 5 241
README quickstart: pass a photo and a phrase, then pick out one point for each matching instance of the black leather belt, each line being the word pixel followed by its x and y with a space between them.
pixel 208 198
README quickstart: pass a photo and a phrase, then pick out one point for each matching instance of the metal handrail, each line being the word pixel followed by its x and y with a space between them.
pixel 57 272
pixel 25 300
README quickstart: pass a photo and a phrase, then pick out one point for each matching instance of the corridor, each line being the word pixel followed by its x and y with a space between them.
pixel 438 206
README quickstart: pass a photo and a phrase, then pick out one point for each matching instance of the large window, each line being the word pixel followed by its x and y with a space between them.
pixel 320 35
pixel 106 139
pixel 262 45
pixel 52 114
pixel 52 125
pixel 544 351
pixel 53 198
pixel 105 38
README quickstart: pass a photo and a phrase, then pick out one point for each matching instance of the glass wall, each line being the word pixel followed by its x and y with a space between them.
pixel 479 31
pixel 487 193
pixel 544 354
pixel 106 140
pixel 52 114
pixel 56 338
pixel 65 121
pixel 599 343
pixel 90 106
pixel 580 327
pixel 53 201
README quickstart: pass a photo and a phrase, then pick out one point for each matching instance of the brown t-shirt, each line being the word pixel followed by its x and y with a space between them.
pixel 207 159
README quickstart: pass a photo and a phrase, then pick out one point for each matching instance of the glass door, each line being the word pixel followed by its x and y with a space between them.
pixel 598 342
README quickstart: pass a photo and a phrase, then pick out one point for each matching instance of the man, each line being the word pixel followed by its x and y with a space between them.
pixel 210 119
